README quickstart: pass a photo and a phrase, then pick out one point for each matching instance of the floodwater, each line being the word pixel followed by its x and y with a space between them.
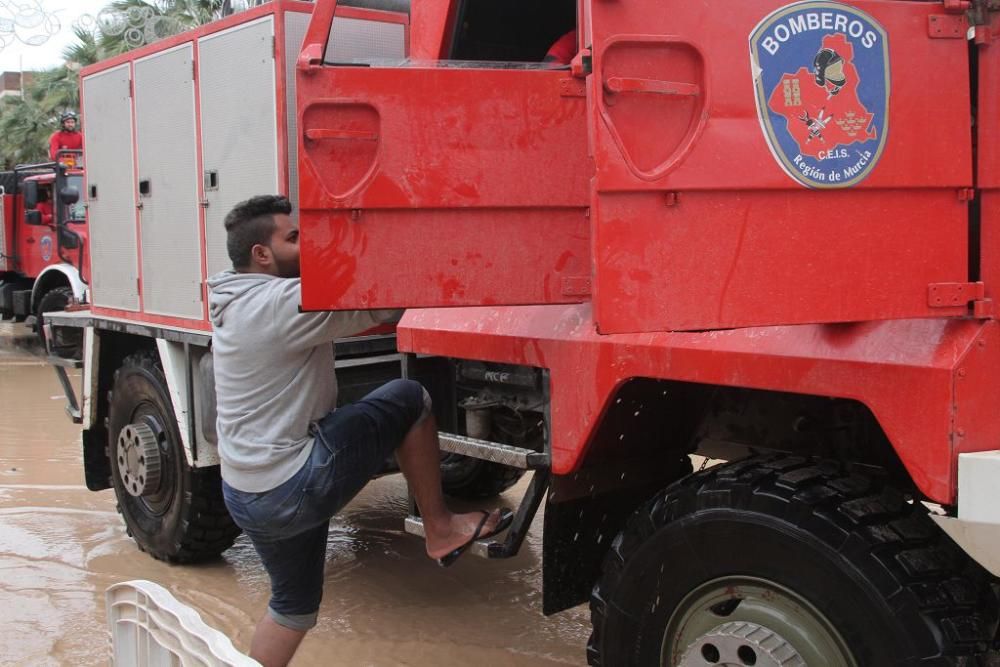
pixel 384 602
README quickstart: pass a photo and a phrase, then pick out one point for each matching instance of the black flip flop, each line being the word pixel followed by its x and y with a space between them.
pixel 503 523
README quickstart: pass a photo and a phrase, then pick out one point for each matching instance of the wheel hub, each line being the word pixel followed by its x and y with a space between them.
pixel 741 644
pixel 139 459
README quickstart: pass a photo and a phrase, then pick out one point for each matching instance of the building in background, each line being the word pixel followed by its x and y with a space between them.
pixel 10 82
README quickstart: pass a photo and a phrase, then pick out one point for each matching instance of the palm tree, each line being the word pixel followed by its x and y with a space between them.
pixel 127 24
pixel 24 130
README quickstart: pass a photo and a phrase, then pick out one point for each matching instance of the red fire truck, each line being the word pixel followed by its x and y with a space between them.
pixel 764 232
pixel 43 244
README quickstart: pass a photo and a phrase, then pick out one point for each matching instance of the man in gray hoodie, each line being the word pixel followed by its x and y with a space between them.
pixel 290 459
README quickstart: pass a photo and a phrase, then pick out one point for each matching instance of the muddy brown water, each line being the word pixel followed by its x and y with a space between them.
pixel 384 602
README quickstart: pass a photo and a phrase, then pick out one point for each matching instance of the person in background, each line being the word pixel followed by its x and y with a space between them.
pixel 67 137
pixel 563 50
pixel 44 206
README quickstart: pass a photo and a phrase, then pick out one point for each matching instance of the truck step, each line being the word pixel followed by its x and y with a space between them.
pixel 515 457
pixel 72 406
pixel 415 526
pixel 511 544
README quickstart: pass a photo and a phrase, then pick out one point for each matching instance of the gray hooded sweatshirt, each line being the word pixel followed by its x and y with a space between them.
pixel 274 374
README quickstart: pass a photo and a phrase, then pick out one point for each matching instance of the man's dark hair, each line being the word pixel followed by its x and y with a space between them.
pixel 250 223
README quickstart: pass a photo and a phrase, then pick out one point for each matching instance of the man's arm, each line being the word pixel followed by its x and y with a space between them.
pixel 304 330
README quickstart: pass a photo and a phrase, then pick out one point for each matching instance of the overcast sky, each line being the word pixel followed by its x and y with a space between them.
pixel 14 51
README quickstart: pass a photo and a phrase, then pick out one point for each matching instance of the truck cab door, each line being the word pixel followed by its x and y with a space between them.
pixel 436 183
pixel 766 162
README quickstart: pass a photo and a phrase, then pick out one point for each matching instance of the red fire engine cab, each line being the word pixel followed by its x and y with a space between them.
pixel 43 244
pixel 763 232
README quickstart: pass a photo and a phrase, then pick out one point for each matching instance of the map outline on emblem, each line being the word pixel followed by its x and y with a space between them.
pixel 823 105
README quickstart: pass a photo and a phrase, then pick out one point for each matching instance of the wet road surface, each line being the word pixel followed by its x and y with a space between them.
pixel 384 602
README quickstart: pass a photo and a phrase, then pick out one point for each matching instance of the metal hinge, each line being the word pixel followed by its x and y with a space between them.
pixel 274 47
pixel 980 21
pixel 956 295
pixel 131 89
pixel 966 194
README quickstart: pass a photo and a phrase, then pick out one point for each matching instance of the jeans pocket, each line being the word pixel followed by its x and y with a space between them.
pixel 273 512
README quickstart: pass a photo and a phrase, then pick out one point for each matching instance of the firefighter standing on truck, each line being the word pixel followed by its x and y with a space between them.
pixel 67 137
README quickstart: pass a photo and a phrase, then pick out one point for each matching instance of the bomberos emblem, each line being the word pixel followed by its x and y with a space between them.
pixel 821 79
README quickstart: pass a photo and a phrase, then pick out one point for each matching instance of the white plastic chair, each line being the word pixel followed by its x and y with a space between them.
pixel 151 628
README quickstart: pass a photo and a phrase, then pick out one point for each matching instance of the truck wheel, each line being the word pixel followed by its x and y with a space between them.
pixel 173 511
pixel 784 561
pixel 67 342
pixel 465 477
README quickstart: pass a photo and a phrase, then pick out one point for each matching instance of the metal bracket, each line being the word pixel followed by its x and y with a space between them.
pixel 951 295
pixel 572 88
pixel 72 406
pixel 947 26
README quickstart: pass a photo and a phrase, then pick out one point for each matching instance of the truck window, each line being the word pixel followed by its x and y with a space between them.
pixel 514 34
pixel 356 41
pixel 515 31
pixel 77 211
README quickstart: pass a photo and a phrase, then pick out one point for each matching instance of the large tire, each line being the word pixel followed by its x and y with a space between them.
pixel 183 518
pixel 67 342
pixel 469 478
pixel 848 562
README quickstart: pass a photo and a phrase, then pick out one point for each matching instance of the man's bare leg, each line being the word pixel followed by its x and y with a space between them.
pixel 274 645
pixel 419 458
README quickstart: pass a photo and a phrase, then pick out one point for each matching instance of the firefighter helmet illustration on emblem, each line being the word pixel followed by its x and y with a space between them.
pixel 821 83
pixel 829 68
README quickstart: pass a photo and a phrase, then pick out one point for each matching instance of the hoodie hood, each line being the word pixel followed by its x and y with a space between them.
pixel 226 287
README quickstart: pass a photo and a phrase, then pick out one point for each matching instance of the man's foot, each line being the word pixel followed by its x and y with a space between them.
pixel 454 537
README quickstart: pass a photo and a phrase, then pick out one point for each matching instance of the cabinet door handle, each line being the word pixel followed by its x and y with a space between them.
pixel 622 84
pixel 317 134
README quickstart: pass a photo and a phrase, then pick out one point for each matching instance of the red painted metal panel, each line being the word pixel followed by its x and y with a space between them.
pixel 744 243
pixel 36 248
pixel 7 261
pixel 868 362
pixel 977 395
pixel 988 144
pixel 149 318
pixel 438 186
pixel 723 260
pixel 200 162
pixel 135 184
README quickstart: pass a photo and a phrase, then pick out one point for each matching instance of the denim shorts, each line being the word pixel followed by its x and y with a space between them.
pixel 288 524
